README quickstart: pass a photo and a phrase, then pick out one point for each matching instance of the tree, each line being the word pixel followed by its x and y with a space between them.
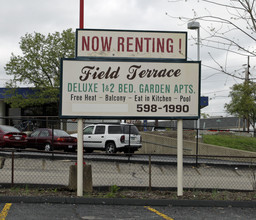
pixel 204 115
pixel 39 67
pixel 230 27
pixel 243 102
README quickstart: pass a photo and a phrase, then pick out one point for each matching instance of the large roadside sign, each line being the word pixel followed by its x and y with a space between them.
pixel 132 44
pixel 93 88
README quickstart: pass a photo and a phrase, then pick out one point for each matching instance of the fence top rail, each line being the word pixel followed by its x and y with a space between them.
pixel 10 150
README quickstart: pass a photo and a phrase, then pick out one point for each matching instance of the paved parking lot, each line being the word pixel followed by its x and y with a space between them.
pixel 109 212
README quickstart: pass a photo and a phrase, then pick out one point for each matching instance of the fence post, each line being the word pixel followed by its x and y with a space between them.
pixel 149 172
pixel 129 138
pixel 12 168
pixel 197 137
pixel 52 140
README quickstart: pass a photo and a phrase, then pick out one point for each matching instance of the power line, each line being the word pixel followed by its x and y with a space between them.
pixel 217 91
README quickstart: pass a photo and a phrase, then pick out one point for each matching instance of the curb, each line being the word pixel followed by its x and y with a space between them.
pixel 128 202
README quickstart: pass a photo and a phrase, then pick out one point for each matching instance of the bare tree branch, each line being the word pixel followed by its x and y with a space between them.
pixel 218 19
pixel 233 43
pixel 219 4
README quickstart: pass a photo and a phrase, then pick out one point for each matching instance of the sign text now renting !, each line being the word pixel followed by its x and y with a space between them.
pixel 131 44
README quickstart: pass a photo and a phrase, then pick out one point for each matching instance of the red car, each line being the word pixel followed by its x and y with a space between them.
pixel 12 137
pixel 43 139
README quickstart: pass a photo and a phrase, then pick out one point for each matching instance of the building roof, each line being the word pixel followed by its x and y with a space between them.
pixel 22 91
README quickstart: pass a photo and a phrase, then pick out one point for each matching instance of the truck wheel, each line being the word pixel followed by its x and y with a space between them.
pixel 110 148
pixel 47 147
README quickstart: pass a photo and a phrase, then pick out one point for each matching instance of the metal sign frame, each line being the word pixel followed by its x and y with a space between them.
pixel 149 44
pixel 114 60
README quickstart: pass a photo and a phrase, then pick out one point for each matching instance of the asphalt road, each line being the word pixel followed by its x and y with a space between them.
pixel 109 212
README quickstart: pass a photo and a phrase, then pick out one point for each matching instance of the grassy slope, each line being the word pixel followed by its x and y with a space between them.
pixel 231 141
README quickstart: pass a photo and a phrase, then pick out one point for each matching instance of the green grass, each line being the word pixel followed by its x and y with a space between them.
pixel 231 141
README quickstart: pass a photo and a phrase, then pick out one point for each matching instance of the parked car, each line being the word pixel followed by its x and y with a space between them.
pixel 43 139
pixel 26 125
pixel 111 138
pixel 159 129
pixel 12 137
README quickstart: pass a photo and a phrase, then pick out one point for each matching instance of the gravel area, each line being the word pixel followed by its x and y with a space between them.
pixel 115 192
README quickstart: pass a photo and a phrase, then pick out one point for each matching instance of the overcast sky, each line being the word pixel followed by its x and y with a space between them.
pixel 27 16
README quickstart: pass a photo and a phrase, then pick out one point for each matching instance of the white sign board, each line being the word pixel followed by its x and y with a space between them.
pixel 130 89
pixel 136 44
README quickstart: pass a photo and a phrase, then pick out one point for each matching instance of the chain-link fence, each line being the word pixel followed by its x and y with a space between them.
pixel 138 170
pixel 154 165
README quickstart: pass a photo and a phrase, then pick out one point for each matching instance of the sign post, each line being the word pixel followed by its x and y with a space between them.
pixel 80 157
pixel 180 157
pixel 80 144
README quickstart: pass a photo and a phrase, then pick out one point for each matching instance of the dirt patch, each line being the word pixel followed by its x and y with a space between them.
pixel 133 194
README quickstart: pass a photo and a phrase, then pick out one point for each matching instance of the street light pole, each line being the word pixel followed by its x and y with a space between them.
pixel 198 43
pixel 193 25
